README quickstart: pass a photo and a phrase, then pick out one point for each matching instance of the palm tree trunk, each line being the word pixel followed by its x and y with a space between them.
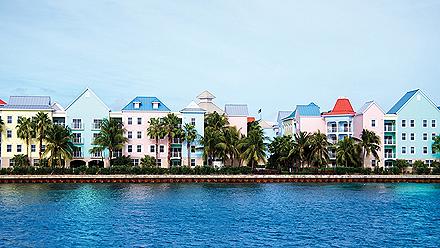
pixel 27 150
pixel 157 149
pixel 188 147
pixel 110 154
pixel 40 153
pixel 169 150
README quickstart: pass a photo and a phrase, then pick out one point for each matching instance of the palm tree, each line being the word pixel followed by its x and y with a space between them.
pixel 190 135
pixel 110 136
pixel 370 144
pixel 229 144
pixel 20 160
pixel 279 149
pixel 41 124
pixel 319 149
pixel 300 147
pixel 254 147
pixel 436 144
pixel 215 125
pixel 59 144
pixel 347 152
pixel 171 127
pixel 25 131
pixel 156 132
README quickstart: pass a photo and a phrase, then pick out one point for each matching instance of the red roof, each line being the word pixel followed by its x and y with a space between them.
pixel 2 102
pixel 250 119
pixel 342 107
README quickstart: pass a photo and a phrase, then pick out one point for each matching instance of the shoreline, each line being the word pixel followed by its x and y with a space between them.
pixel 5 179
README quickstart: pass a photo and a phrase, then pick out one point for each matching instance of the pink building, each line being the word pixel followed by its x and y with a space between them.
pixel 238 116
pixel 371 117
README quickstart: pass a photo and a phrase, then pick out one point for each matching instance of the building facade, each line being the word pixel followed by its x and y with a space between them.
pixel 193 114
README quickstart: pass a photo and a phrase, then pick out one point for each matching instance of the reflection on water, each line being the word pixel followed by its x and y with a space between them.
pixel 219 215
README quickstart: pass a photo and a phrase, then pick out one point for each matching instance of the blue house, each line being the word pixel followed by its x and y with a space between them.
pixel 84 116
pixel 417 123
pixel 194 114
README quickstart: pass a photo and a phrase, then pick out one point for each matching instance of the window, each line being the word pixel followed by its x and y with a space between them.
pixel 193 149
pixel 425 150
pixel 139 135
pixel 429 162
pixel 433 123
pixel 18 148
pixel 8 133
pixel 433 136
pixel 129 148
pixel 136 105
pixel 11 162
pixel 159 162
pixel 139 148
pixel 410 162
pixel 413 136
pixel 9 119
pixel 43 148
pixel 129 121
pixel 413 150
pixel 33 148
pixel 161 148
pixel 403 123
pixel 425 136
pixel 77 138
pixel 373 123
pixel 9 148
pixel 425 123
pixel 129 134
pixel 155 105
pixel 97 124
pixel 403 136
pixel 135 161
pixel 403 150
pixel 139 121
pixel 193 121
pixel 193 162
pixel 152 148
pixel 411 123
pixel 95 135
pixel 373 162
pixel 76 124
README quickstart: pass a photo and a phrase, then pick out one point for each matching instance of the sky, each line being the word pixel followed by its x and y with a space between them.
pixel 271 55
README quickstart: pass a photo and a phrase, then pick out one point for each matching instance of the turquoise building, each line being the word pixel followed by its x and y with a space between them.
pixel 84 116
pixel 417 121
pixel 195 115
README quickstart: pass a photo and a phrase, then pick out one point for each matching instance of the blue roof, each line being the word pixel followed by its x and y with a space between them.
pixel 308 110
pixel 146 104
pixel 291 116
pixel 402 102
pixel 282 115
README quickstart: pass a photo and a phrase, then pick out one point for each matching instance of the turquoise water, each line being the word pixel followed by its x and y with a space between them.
pixel 219 215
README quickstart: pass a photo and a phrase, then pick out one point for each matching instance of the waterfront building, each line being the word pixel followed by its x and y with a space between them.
pixel 238 116
pixel 206 102
pixel 84 116
pixel 280 116
pixel 417 122
pixel 195 115
pixel 21 106
pixel 371 117
pixel 305 118
pixel 136 117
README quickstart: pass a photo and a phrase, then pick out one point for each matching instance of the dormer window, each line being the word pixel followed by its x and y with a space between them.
pixel 155 105
pixel 136 105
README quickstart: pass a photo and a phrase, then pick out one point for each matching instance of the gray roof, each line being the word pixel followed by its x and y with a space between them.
pixel 206 95
pixel 193 107
pixel 283 114
pixel 28 102
pixel 236 110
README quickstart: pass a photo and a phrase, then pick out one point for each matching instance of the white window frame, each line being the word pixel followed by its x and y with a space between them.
pixel 373 123
pixel 425 136
pixel 129 135
pixel 412 123
pixel 403 123
pixel 139 148
pixel 8 148
pixel 403 136
pixel 129 148
pixel 152 148
pixel 403 149
pixel 129 121
pixel 425 123
pixel 412 136
pixel 139 134
pixel 425 150
pixel 412 150
pixel 139 120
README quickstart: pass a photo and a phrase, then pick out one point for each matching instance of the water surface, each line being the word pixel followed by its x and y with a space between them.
pixel 219 215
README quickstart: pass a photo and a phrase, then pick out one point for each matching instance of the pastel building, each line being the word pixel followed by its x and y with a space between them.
pixel 416 122
pixel 21 106
pixel 280 116
pixel 238 116
pixel 305 118
pixel 206 102
pixel 371 117
pixel 136 116
pixel 84 116
pixel 194 115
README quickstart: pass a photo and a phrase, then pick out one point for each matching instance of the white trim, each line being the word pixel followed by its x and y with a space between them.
pixel 78 97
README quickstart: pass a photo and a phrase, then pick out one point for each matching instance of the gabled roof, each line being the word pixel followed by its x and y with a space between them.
pixel 236 110
pixel 146 104
pixel 2 102
pixel 28 102
pixel 292 115
pixel 308 110
pixel 402 101
pixel 283 114
pixel 206 95
pixel 366 106
pixel 57 107
pixel 267 124
pixel 84 92
pixel 342 107
pixel 193 107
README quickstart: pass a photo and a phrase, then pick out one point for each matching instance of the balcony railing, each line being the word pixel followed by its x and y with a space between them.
pixel 390 155
pixel 332 129
pixel 344 129
pixel 77 154
pixel 177 141
pixel 59 123
pixel 389 128
pixel 176 154
pixel 77 141
pixel 77 126
pixel 97 155
pixel 389 142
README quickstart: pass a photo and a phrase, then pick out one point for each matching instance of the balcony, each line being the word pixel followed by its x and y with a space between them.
pixel 390 155
pixel 77 141
pixel 332 141
pixel 177 141
pixel 389 142
pixel 389 128
pixel 344 129
pixel 332 129
pixel 97 155
pixel 176 155
pixel 77 126
pixel 78 154
pixel 59 123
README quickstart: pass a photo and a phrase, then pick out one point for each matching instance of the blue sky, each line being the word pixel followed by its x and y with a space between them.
pixel 268 54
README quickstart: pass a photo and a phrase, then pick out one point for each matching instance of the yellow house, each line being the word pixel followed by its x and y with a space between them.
pixel 23 106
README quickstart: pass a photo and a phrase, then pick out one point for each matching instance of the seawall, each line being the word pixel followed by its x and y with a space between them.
pixel 219 178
